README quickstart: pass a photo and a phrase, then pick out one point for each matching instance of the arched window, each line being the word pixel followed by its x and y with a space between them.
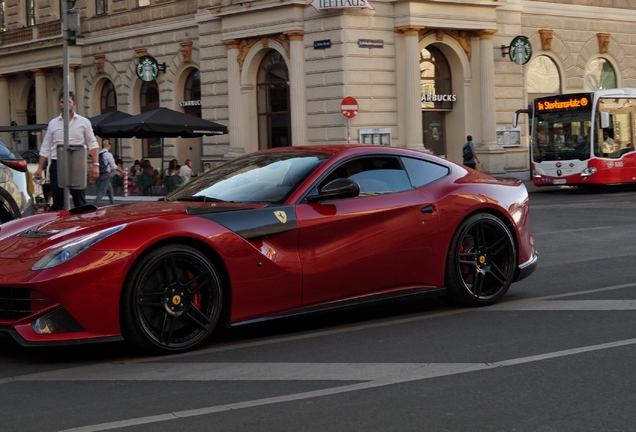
pixel 31 115
pixel 149 100
pixel 600 75
pixel 274 122
pixel 31 101
pixel 192 94
pixel 108 97
pixel 149 96
pixel 435 79
pixel 543 76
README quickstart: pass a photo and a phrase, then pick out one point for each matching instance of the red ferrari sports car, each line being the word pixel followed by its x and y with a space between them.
pixel 271 234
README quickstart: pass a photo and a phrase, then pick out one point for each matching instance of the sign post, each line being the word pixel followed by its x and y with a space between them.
pixel 66 6
pixel 349 109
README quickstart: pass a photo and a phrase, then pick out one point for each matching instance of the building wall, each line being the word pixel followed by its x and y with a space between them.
pixel 229 38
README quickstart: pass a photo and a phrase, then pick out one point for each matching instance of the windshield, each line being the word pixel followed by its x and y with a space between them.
pixel 258 178
pixel 562 135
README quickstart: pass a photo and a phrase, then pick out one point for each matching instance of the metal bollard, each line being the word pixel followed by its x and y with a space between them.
pixel 125 183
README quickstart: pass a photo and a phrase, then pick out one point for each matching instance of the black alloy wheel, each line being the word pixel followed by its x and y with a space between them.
pixel 172 301
pixel 481 261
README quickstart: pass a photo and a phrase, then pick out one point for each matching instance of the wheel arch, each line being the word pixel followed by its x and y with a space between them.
pixel 13 206
pixel 205 249
pixel 498 213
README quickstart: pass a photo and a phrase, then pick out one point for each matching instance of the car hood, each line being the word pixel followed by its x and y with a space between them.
pixel 35 236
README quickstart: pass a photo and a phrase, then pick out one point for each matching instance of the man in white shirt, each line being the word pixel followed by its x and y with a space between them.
pixel 80 131
pixel 186 171
pixel 107 167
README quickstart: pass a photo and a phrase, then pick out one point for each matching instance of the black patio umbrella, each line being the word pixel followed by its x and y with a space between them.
pixel 162 123
pixel 109 117
pixel 102 119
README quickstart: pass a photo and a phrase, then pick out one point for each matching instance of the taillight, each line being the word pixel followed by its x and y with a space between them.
pixel 18 165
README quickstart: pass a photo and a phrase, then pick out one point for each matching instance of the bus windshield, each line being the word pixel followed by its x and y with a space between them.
pixel 562 128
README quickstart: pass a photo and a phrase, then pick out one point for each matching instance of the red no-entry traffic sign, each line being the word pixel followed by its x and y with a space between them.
pixel 349 107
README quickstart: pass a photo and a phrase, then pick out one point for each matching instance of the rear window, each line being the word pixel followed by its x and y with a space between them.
pixel 423 172
pixel 5 153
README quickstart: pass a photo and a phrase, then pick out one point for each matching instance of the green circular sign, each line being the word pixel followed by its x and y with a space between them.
pixel 147 68
pixel 520 50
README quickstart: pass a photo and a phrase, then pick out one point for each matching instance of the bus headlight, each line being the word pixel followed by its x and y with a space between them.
pixel 588 171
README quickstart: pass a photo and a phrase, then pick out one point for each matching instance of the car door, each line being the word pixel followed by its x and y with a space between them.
pixel 371 243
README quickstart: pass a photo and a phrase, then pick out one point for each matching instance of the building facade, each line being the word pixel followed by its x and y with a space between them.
pixel 425 74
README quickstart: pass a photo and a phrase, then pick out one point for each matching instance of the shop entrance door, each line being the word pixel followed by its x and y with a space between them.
pixel 434 125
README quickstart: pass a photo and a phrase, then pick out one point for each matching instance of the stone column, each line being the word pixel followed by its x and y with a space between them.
pixel 487 87
pixel 5 114
pixel 412 87
pixel 494 154
pixel 298 98
pixel 236 127
pixel 41 99
pixel 74 77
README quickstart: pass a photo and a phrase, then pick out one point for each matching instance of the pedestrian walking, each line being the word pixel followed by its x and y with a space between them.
pixel 80 131
pixel 469 156
pixel 107 167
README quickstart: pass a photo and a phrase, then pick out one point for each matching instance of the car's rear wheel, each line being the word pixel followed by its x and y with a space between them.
pixel 481 261
pixel 171 301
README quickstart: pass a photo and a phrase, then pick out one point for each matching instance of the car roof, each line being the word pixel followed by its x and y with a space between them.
pixel 337 149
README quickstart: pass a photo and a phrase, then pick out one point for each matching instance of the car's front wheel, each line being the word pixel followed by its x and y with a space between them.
pixel 172 300
pixel 481 261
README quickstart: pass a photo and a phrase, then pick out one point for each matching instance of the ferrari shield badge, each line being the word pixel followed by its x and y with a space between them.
pixel 281 216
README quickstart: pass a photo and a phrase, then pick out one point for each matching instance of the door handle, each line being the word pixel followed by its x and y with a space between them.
pixel 428 209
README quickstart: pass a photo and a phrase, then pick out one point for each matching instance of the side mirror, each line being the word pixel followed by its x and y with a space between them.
pixel 515 116
pixel 605 119
pixel 338 188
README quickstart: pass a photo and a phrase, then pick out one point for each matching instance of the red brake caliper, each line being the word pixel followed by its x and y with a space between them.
pixel 465 270
pixel 196 298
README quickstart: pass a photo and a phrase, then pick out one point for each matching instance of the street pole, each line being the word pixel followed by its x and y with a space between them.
pixel 65 113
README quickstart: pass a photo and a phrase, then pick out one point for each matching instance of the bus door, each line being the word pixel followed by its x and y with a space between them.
pixel 616 141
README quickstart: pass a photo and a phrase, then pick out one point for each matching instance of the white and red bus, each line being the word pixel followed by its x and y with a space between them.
pixel 583 138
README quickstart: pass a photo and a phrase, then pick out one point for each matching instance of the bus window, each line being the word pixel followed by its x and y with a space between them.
pixel 618 138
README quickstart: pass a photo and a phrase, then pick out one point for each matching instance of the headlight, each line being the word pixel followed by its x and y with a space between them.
pixel 588 172
pixel 69 250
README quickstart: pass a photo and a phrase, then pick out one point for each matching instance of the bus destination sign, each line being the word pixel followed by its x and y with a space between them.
pixel 563 104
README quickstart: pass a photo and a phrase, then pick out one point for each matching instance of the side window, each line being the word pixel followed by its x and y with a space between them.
pixel 422 172
pixel 375 175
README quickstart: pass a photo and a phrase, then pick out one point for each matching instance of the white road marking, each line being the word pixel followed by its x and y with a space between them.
pixel 397 373
pixel 386 372
pixel 565 305
pixel 572 230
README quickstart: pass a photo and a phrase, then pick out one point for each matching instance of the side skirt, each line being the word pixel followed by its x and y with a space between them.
pixel 348 304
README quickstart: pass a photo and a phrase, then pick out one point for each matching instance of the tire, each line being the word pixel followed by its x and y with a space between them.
pixel 9 209
pixel 481 261
pixel 172 300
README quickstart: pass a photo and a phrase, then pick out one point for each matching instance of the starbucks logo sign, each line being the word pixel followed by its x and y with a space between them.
pixel 147 68
pixel 520 50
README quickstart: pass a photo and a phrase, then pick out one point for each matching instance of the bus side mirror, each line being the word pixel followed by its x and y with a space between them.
pixel 605 120
pixel 515 117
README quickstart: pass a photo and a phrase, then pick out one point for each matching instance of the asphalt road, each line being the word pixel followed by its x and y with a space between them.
pixel 557 354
